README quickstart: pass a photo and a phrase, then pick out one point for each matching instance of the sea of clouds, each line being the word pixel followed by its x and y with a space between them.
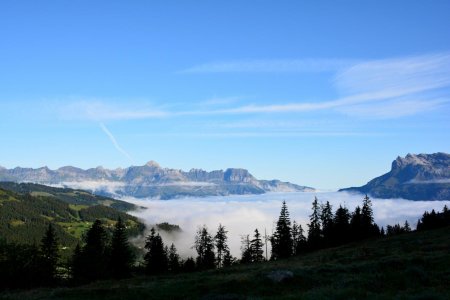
pixel 242 214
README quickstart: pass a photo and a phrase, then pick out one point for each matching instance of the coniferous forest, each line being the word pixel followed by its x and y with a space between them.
pixel 105 255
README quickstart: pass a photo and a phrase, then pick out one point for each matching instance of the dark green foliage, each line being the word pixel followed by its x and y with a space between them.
pixel 49 256
pixel 410 266
pixel 228 259
pixel 95 255
pixel 314 230
pixel 221 245
pixel 156 256
pixel 25 218
pixel 173 259
pixel 326 218
pixel 168 227
pixel 70 196
pixel 188 265
pixel 122 257
pixel 256 246
pixel 434 220
pixel 246 250
pixel 299 242
pixel 204 245
pixel 20 266
pixel 282 238
pixel 341 226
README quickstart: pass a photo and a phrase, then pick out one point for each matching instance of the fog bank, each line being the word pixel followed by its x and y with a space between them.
pixel 241 214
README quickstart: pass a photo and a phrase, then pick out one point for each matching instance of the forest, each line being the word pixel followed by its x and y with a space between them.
pixel 104 254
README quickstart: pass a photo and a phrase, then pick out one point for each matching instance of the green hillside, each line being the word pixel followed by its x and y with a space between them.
pixel 71 196
pixel 408 266
pixel 25 217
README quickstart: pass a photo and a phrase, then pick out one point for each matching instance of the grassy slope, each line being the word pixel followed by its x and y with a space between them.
pixel 411 266
pixel 24 218
pixel 71 196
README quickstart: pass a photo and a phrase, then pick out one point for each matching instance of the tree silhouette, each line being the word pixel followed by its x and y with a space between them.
pixel 256 246
pixel 156 256
pixel 341 226
pixel 95 254
pixel 221 245
pixel 326 218
pixel 173 259
pixel 49 256
pixel 282 238
pixel 246 250
pixel 314 230
pixel 122 257
pixel 204 245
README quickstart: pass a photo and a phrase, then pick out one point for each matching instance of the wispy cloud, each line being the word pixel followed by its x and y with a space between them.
pixel 272 65
pixel 114 141
pixel 98 110
pixel 389 88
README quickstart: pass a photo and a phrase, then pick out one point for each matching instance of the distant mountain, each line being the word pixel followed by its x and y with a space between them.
pixel 414 177
pixel 150 180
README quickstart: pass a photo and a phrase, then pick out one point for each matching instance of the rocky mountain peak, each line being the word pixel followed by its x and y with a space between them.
pixel 153 164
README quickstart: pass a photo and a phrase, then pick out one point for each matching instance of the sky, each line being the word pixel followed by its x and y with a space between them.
pixel 320 93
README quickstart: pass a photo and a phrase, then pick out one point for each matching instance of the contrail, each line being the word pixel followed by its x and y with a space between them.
pixel 114 141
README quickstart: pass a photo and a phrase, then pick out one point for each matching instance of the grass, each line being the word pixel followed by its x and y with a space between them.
pixel 76 229
pixel 410 266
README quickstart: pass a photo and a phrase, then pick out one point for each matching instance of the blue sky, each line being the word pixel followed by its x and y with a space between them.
pixel 321 93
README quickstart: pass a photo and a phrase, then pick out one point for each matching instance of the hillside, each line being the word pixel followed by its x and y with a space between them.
pixel 151 180
pixel 409 266
pixel 70 196
pixel 414 177
pixel 25 217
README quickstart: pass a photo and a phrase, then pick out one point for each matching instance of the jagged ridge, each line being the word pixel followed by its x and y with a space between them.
pixel 414 177
pixel 151 180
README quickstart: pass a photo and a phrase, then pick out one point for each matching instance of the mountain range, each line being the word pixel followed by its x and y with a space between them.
pixel 151 180
pixel 413 177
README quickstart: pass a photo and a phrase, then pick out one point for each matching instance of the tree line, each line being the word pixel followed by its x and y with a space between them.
pixel 102 255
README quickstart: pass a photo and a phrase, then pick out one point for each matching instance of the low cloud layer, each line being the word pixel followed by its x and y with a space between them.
pixel 242 214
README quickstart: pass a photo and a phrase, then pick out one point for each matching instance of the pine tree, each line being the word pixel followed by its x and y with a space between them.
pixel 246 250
pixel 406 227
pixel 77 265
pixel 49 255
pixel 282 238
pixel 228 259
pixel 173 259
pixel 367 218
pixel 95 253
pixel 204 245
pixel 341 226
pixel 122 257
pixel 156 256
pixel 221 245
pixel 314 230
pixel 326 218
pixel 256 246
pixel 356 225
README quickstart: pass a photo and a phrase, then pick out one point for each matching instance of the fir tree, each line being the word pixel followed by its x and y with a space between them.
pixel 156 256
pixel 204 245
pixel 246 250
pixel 122 257
pixel 256 246
pixel 95 253
pixel 314 231
pixel 173 259
pixel 406 227
pixel 326 218
pixel 341 226
pixel 228 259
pixel 282 238
pixel 49 255
pixel 221 245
